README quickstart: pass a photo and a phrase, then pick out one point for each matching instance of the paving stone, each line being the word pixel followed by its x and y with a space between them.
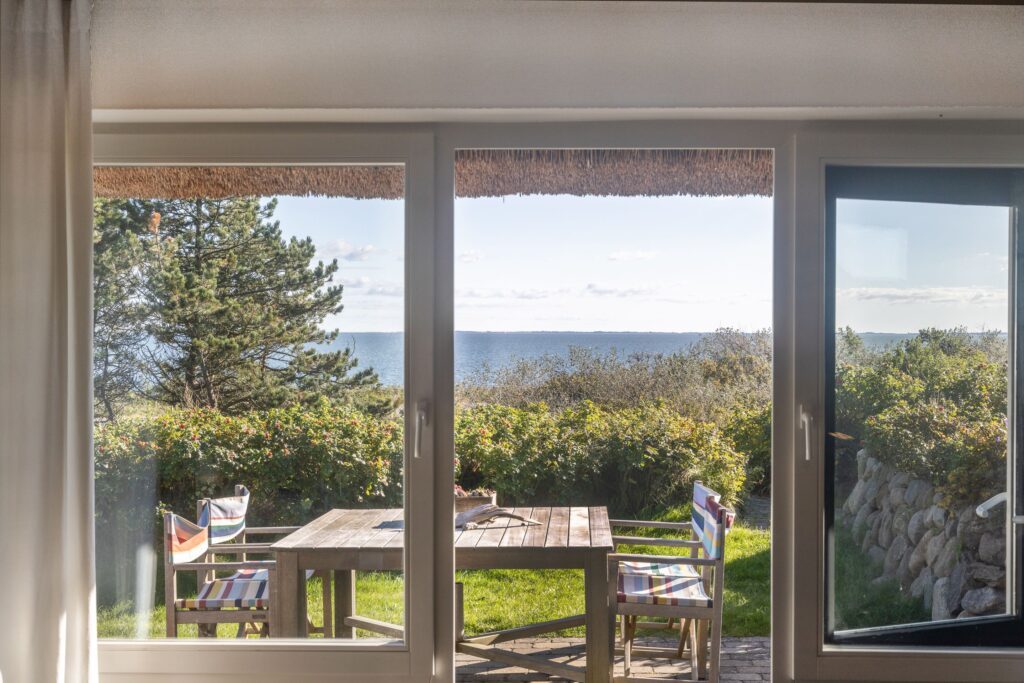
pixel 744 660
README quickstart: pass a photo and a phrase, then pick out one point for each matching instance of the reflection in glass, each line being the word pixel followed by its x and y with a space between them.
pixel 918 431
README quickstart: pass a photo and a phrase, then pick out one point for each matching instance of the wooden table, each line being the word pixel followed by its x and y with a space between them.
pixel 345 541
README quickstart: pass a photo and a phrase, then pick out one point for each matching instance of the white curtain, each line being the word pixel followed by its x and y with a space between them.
pixel 47 580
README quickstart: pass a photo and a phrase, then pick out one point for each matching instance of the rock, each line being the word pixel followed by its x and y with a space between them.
pixel 987 574
pixel 916 526
pixel 940 608
pixel 896 495
pixel 922 584
pixel 900 481
pixel 924 499
pixel 885 530
pixel 936 517
pixel 969 529
pixel 871 489
pixel 947 559
pixel 935 547
pixel 882 580
pixel 901 520
pixel 937 499
pixel 950 529
pixel 914 489
pixel 856 498
pixel 903 573
pixel 882 497
pixel 918 559
pixel 877 555
pixel 894 556
pixel 985 600
pixel 957 586
pixel 860 524
pixel 992 549
pixel 871 535
pixel 862 459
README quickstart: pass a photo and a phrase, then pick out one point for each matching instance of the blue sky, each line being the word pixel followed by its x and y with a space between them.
pixel 667 264
pixel 903 266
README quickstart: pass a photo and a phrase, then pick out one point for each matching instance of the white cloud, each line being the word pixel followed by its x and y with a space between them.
pixel 635 255
pixel 498 293
pixel 347 251
pixel 979 296
pixel 385 290
pixel 598 290
pixel 470 256
pixel 355 282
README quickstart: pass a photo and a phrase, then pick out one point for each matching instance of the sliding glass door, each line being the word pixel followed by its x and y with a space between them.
pixel 922 430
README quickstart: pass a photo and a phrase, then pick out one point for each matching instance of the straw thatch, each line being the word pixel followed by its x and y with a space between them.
pixel 479 173
pixel 216 182
pixel 615 172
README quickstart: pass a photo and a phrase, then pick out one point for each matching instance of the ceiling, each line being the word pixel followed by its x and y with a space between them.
pixel 415 60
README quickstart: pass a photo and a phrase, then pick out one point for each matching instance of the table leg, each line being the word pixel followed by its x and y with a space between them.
pixel 289 609
pixel 600 625
pixel 344 601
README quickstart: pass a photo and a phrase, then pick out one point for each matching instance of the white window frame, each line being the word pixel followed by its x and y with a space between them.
pixel 309 660
pixel 813 660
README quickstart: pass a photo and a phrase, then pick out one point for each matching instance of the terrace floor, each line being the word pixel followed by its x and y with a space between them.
pixel 743 659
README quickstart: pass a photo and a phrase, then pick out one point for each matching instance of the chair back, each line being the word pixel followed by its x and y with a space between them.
pixel 184 541
pixel 225 517
pixel 711 521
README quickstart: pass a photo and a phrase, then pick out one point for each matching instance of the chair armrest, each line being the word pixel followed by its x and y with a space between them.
pixel 667 542
pixel 646 524
pixel 208 566
pixel 239 548
pixel 662 559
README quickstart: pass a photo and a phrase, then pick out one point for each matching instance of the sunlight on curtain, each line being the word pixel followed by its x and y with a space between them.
pixel 46 558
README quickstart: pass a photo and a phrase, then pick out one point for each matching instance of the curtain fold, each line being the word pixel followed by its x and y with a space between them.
pixel 46 520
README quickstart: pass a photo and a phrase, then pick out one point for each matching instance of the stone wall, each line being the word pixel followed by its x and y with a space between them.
pixel 951 559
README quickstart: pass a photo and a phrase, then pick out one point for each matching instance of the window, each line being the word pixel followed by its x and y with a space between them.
pixel 222 289
pixel 920 490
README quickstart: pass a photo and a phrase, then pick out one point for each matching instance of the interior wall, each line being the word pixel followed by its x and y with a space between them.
pixel 428 59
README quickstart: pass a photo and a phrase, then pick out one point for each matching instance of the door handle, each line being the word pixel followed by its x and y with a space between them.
pixel 422 418
pixel 805 425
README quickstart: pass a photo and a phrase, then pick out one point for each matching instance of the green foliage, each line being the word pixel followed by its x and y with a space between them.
pixel 964 455
pixel 297 461
pixel 119 312
pixel 724 369
pixel 229 312
pixel 631 459
pixel 933 405
pixel 750 429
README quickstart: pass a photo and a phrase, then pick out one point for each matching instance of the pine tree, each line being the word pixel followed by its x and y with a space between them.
pixel 119 312
pixel 234 310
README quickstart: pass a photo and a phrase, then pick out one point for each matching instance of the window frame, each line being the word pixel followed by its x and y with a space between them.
pixel 411 661
pixel 813 658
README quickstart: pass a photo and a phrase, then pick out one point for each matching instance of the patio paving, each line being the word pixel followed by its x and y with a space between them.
pixel 743 659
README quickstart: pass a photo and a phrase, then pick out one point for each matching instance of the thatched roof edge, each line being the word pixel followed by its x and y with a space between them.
pixel 479 173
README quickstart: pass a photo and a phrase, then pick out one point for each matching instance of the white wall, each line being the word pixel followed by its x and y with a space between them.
pixel 364 60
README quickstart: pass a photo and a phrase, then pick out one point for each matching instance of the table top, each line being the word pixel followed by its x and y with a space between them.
pixel 561 528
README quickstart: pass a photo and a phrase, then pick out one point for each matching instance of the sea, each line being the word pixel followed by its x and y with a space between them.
pixel 474 351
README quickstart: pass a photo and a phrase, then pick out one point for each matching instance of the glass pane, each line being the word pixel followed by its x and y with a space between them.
pixel 918 428
pixel 613 345
pixel 240 396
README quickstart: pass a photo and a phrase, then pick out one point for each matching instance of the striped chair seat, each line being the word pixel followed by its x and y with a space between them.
pixel 658 569
pixel 655 589
pixel 224 593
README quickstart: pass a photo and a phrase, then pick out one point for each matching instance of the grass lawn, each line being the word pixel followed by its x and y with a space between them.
pixel 861 603
pixel 499 599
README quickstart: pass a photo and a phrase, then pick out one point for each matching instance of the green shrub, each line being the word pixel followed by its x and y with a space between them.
pixel 296 461
pixel 750 429
pixel 631 459
pixel 965 457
